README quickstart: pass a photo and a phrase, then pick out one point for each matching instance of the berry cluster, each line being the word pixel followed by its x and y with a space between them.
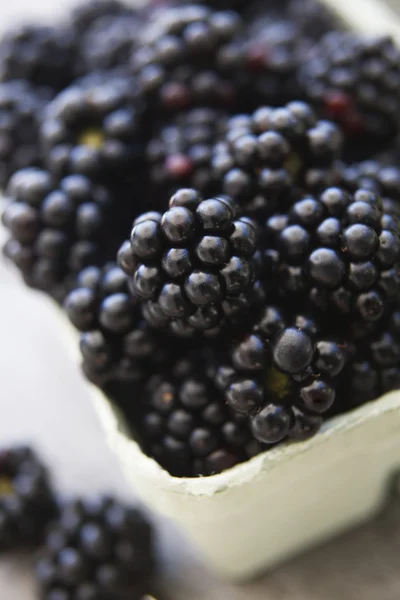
pixel 185 180
pixel 26 499
pixel 357 83
pixel 186 425
pixel 265 159
pixel 194 265
pixel 96 549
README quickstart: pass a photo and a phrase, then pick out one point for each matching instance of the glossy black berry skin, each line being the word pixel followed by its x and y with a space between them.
pixel 26 499
pixel 283 374
pixel 116 344
pixel 21 105
pixel 195 263
pixel 186 425
pixel 55 229
pixel 338 251
pixel 355 82
pixel 39 54
pixel 86 14
pixel 95 129
pixel 177 62
pixel 264 158
pixel 180 153
pixel 97 548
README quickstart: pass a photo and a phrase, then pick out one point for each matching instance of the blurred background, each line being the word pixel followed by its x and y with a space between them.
pixel 44 401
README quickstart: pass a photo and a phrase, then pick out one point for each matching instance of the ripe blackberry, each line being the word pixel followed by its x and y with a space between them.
pixel 338 251
pixel 109 42
pixel 176 55
pixel 195 264
pixel 375 366
pixel 26 498
pixel 97 549
pixel 40 55
pixel 20 108
pixel 180 154
pixel 55 229
pixel 116 344
pixel 186 425
pixel 95 130
pixel 264 62
pixel 356 82
pixel 283 375
pixel 265 158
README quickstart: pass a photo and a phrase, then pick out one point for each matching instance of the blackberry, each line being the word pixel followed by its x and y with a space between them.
pixel 265 158
pixel 20 107
pixel 109 42
pixel 26 498
pixel 180 154
pixel 116 344
pixel 195 263
pixel 338 251
pixel 96 549
pixel 41 55
pixel 283 374
pixel 375 367
pixel 95 130
pixel 187 427
pixel 87 13
pixel 356 82
pixel 176 53
pixel 263 62
pixel 55 229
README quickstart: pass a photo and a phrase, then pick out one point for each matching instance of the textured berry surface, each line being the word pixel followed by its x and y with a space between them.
pixel 95 130
pixel 265 158
pixel 195 263
pixel 55 229
pixel 97 549
pixel 186 425
pixel 26 499
pixel 357 83
pixel 20 107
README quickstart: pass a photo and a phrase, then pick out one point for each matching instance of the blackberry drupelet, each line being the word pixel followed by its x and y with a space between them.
pixel 282 374
pixel 194 265
pixel 55 229
pixel 177 57
pixel 266 158
pixel 109 42
pixel 338 253
pixel 356 82
pixel 116 344
pixel 20 108
pixel 41 55
pixel 95 130
pixel 96 550
pixel 26 498
pixel 186 425
pixel 180 153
